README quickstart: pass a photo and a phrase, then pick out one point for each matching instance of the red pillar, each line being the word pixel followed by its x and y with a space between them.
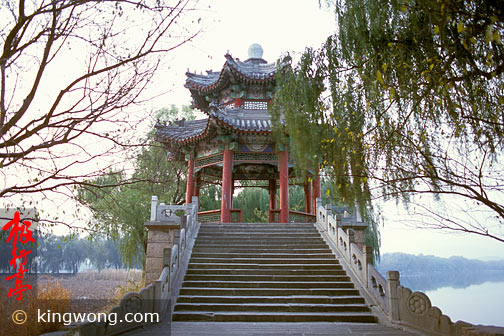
pixel 227 175
pixel 315 189
pixel 307 197
pixel 190 180
pixel 197 185
pixel 232 192
pixel 283 158
pixel 272 194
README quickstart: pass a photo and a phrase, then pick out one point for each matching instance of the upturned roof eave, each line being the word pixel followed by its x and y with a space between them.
pixel 204 135
pixel 231 66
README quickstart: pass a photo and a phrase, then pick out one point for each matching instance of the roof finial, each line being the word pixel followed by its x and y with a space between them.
pixel 255 51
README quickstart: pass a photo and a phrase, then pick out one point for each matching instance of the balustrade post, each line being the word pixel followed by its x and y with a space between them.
pixel 318 202
pixel 153 208
pixel 160 235
pixel 368 260
pixel 195 208
pixel 393 294
pixel 351 237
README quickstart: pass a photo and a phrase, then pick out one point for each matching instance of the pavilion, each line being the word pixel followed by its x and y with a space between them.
pixel 234 143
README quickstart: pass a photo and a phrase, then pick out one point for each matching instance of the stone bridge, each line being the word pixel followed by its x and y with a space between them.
pixel 270 278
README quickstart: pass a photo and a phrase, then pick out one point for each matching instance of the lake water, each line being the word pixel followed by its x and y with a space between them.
pixel 476 304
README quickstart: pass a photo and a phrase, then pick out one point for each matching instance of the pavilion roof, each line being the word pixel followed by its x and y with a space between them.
pixel 182 131
pixel 236 119
pixel 253 70
pixel 247 118
pixel 250 121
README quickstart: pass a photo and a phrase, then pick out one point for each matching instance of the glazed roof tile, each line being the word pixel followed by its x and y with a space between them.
pixel 243 120
pixel 255 70
pixel 239 119
pixel 182 131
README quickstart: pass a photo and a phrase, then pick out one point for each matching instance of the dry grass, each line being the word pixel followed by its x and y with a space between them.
pixel 121 290
pixel 131 286
pixel 111 274
pixel 51 296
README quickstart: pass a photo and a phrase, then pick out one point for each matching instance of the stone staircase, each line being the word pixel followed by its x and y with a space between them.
pixel 266 273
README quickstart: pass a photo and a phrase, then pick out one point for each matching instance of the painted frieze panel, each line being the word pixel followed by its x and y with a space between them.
pixel 256 143
pixel 256 91
pixel 210 160
pixel 257 157
pixel 225 97
pixel 249 171
pixel 207 148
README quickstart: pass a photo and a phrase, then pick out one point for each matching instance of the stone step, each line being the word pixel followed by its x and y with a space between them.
pixel 258 233
pixel 268 284
pixel 226 265
pixel 243 255
pixel 260 245
pixel 212 316
pixel 263 260
pixel 261 235
pixel 269 307
pixel 266 272
pixel 256 225
pixel 272 299
pixel 335 270
pixel 296 232
pixel 267 291
pixel 250 277
pixel 264 241
pixel 231 249
pixel 257 230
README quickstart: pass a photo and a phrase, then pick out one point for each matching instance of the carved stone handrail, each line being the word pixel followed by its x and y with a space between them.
pixel 398 304
pixel 156 297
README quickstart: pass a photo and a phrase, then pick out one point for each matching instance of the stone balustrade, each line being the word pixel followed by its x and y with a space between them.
pixel 169 234
pixel 398 304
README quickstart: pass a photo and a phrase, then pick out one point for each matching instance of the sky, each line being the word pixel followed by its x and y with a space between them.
pixel 232 26
pixel 282 26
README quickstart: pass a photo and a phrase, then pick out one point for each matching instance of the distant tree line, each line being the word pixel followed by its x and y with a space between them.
pixel 426 272
pixel 65 254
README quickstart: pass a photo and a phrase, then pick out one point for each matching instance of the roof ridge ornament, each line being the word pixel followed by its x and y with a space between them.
pixel 180 122
pixel 255 51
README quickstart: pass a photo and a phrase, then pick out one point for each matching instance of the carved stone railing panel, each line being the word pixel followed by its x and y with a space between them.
pixel 358 261
pixel 399 304
pixel 377 285
pixel 155 297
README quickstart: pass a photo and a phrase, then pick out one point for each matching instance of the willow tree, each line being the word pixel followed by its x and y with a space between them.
pixel 406 98
pixel 120 204
pixel 73 75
